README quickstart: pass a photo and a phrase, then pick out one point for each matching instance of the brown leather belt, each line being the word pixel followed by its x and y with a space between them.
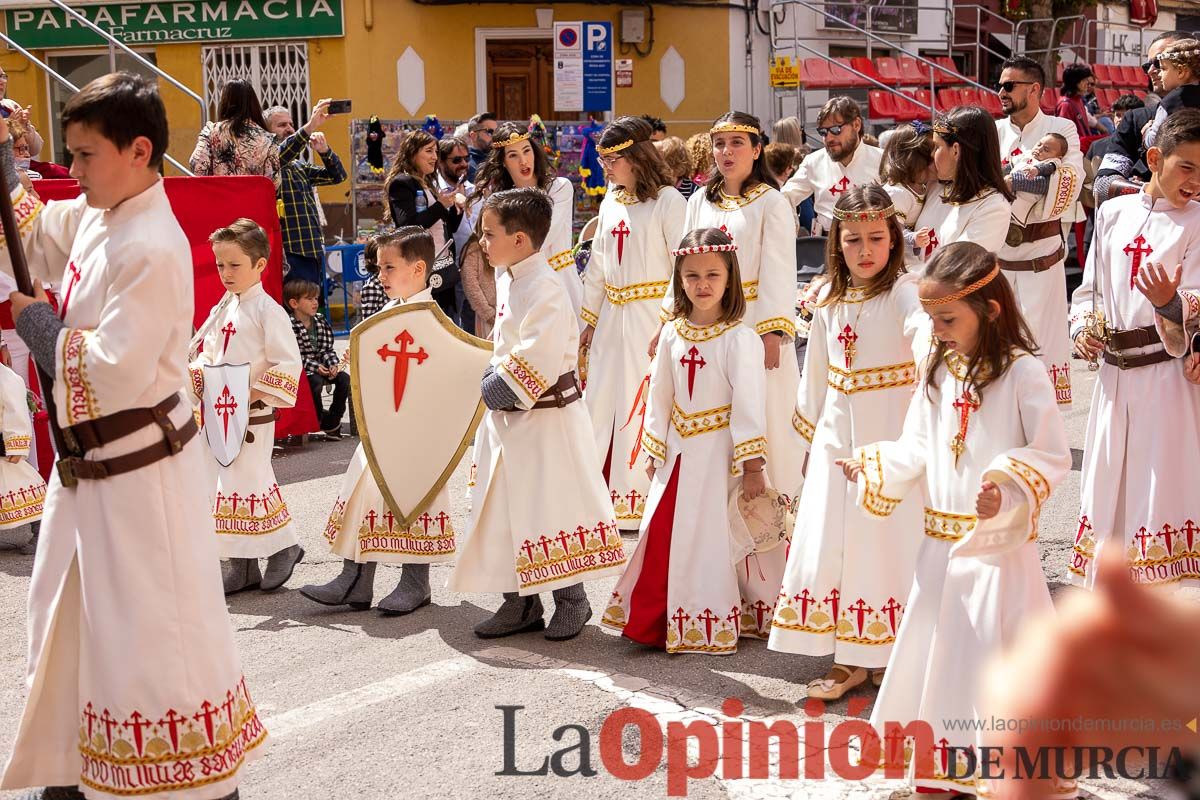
pixel 1144 336
pixel 79 439
pixel 264 419
pixel 1033 232
pixel 1040 264
pixel 1133 337
pixel 564 392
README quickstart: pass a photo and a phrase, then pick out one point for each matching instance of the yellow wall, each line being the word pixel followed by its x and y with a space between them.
pixel 362 66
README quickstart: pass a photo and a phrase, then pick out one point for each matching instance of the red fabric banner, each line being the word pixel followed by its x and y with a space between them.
pixel 202 205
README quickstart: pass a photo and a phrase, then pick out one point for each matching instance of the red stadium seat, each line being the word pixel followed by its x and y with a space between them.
pixel 867 67
pixel 842 76
pixel 881 104
pixel 817 70
pixel 913 72
pixel 949 98
pixel 1106 98
pixel 951 78
pixel 1104 78
pixel 1049 101
pixel 991 101
pixel 1134 77
pixel 907 110
pixel 888 69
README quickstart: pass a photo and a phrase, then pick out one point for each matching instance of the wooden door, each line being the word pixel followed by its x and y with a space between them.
pixel 520 76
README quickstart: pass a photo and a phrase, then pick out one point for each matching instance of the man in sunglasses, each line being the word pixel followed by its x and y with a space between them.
pixel 1034 251
pixel 453 163
pixel 1123 169
pixel 846 161
pixel 302 221
pixel 480 130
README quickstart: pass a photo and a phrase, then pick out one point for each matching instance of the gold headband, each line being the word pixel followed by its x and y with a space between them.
pixel 733 127
pixel 515 138
pixel 1179 56
pixel 959 295
pixel 616 148
pixel 943 128
pixel 871 215
pixel 704 248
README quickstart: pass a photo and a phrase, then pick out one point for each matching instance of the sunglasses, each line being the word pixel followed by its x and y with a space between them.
pixel 1151 64
pixel 457 159
pixel 1008 86
pixel 489 131
pixel 836 130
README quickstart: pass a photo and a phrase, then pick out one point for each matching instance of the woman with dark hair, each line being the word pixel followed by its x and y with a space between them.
pixel 517 162
pixel 413 199
pixel 1078 82
pixel 641 220
pixel 743 199
pixel 238 143
pixel 973 204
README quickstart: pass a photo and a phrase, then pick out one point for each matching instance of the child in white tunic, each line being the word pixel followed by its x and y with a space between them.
pixel 849 574
pixel 905 173
pixel 741 200
pixel 972 204
pixel 1144 428
pixel 641 219
pixel 985 443
pixel 22 490
pixel 250 517
pixel 361 528
pixel 541 517
pixel 705 438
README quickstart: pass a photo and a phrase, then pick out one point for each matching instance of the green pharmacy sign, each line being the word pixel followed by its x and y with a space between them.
pixel 168 22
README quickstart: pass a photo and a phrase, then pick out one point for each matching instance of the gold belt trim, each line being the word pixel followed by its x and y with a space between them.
pixel 560 260
pixel 750 290
pixel 946 526
pixel 620 295
pixel 688 425
pixel 867 380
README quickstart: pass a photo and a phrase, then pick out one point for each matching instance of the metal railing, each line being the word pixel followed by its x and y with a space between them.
pixel 981 14
pixel 1097 32
pixel 4 37
pixel 1072 45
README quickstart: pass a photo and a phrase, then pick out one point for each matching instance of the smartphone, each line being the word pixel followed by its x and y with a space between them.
pixel 339 107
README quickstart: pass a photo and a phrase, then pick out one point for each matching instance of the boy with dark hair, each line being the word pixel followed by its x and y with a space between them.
pixel 535 442
pixel 322 364
pixel 1135 494
pixel 130 641
pixel 658 128
pixel 371 297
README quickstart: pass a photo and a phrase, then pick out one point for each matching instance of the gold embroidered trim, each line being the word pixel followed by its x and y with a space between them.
pixel 197 376
pixel 776 325
pixel 875 502
pixel 866 380
pixel 744 451
pixel 624 198
pixel 700 422
pixel 561 260
pixel 750 290
pixel 81 398
pixel 14 443
pixel 620 295
pixel 655 447
pixel 589 316
pixel 274 379
pixel 729 203
pixel 946 526
pixel 27 209
pixel 1038 486
pixel 531 381
pixel 803 426
pixel 694 333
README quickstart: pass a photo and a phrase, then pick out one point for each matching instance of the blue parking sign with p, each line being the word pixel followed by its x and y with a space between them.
pixel 597 66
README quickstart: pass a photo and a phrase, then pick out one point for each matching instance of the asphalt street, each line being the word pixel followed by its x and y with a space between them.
pixel 361 706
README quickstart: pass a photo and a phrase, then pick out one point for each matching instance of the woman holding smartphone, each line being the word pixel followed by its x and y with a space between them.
pixel 414 199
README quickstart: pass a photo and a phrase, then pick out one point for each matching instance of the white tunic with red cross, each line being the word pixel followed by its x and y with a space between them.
pixel 135 687
pixel 764 229
pixel 250 516
pixel 976 582
pixel 982 220
pixel 623 289
pixel 825 180
pixel 1143 436
pixel 705 420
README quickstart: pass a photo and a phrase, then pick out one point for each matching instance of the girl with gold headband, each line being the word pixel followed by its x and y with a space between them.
pixel 972 203
pixel 742 198
pixel 517 162
pixel 984 443
pixel 641 219
pixel 848 573
pixel 1179 65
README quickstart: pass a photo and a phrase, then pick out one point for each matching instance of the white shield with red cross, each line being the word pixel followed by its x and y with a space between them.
pixel 415 383
pixel 226 409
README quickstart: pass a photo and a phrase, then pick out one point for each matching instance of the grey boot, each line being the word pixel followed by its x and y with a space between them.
pixel 280 567
pixel 354 587
pixel 30 547
pixel 571 613
pixel 410 594
pixel 240 574
pixel 516 615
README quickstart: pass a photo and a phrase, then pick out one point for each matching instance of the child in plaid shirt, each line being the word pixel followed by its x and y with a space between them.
pixel 321 363
pixel 372 297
